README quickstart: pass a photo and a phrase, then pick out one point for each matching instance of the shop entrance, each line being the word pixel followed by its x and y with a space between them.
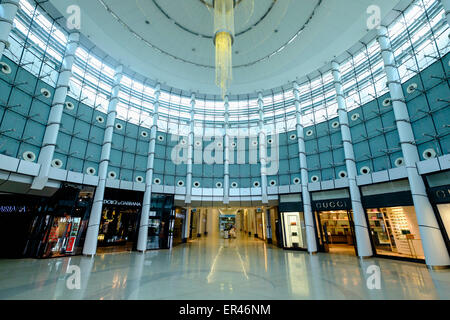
pixel 335 230
pixel 117 229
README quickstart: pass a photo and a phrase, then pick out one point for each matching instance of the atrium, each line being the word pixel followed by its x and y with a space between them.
pixel 225 149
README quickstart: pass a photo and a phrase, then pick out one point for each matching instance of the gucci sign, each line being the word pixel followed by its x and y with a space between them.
pixel 331 204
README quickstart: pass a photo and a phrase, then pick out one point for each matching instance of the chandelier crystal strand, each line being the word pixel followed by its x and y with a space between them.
pixel 223 40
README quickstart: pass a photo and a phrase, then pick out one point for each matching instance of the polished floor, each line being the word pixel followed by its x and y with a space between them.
pixel 213 268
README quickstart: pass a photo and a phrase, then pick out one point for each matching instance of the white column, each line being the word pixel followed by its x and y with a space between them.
pixel 146 203
pixel 446 5
pixel 436 254
pixel 8 11
pixel 226 166
pixel 307 208
pixel 187 225
pixel 359 217
pixel 262 150
pixel 190 155
pixel 54 119
pixel 90 244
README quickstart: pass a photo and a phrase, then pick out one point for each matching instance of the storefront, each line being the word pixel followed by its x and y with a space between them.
pixel 178 226
pixel 392 220
pixel 161 222
pixel 120 219
pixel 334 221
pixel 39 227
pixel 260 223
pixel 293 227
pixel 439 193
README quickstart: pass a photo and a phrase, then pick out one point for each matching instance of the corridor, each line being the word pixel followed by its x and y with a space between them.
pixel 214 268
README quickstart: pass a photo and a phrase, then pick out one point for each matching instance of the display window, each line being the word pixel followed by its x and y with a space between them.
pixel 161 223
pixel 118 227
pixel 439 193
pixel 395 232
pixel 294 230
pixel 335 230
pixel 444 212
pixel 334 222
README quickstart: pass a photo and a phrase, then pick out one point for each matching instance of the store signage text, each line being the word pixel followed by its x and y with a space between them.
pixel 331 204
pixel 122 203
pixel 443 194
pixel 11 209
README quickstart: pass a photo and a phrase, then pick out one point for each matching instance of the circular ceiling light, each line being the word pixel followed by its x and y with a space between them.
pixel 56 163
pixel 29 156
pixel 6 69
pixel 365 170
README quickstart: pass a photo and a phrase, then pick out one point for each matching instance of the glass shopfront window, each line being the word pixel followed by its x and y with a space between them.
pixel 161 222
pixel 119 222
pixel 294 230
pixel 395 231
pixel 439 193
pixel 444 211
pixel 392 220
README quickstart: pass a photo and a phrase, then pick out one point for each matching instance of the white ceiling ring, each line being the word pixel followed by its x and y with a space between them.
pixel 157 181
pixel 309 133
pixel 273 183
pixel 297 180
pixel 256 184
pixel 196 184
pixel 219 185
pixel 293 137
pixel 412 88
pixel 234 185
pixel 180 183
pixel 162 51
pixel 429 154
pixel 112 175
pixel 387 102
pixel 355 116
pixel 100 119
pixel 46 93
pixel 399 162
pixel 119 126
pixel 303 19
pixel 342 174
pixel 91 171
pixel 29 156
pixel 364 170
pixel 335 125
pixel 139 179
pixel 5 68
pixel 144 134
pixel 69 105
pixel 57 163
pixel 315 178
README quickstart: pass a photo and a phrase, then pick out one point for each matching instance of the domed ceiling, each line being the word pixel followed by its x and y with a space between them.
pixel 276 41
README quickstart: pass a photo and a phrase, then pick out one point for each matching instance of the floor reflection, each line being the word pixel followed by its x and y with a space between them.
pixel 212 268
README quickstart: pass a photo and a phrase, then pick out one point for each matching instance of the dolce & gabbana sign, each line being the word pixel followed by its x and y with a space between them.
pixel 336 204
pixel 122 203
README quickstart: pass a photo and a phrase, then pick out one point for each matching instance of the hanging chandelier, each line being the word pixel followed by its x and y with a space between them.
pixel 223 42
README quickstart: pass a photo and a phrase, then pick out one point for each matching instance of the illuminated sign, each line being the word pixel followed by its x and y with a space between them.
pixel 122 203
pixel 11 209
